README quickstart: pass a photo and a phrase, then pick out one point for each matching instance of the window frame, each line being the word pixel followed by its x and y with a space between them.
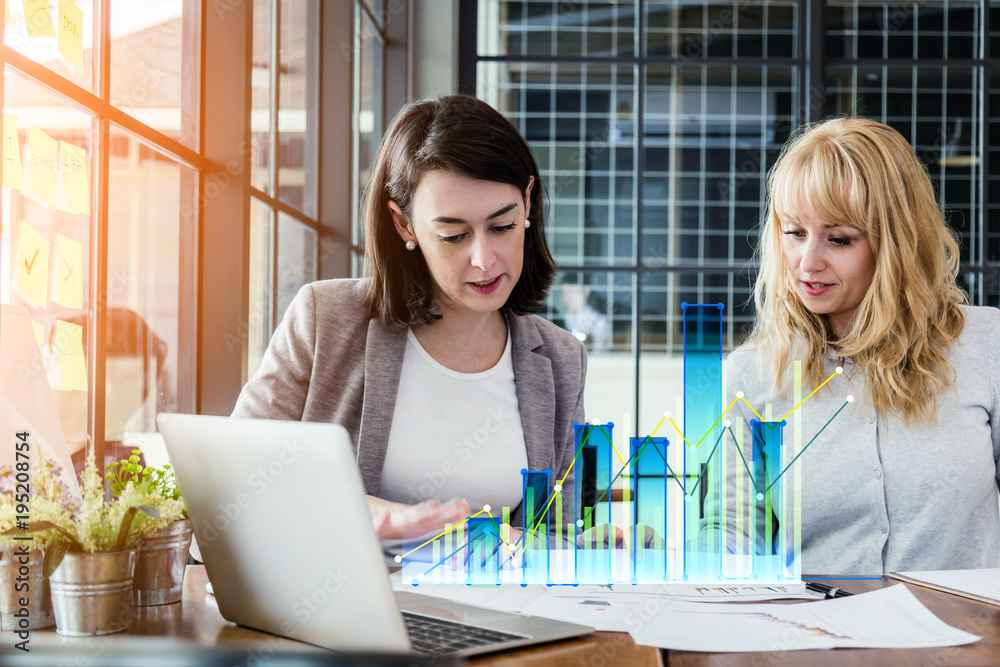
pixel 813 65
pixel 103 113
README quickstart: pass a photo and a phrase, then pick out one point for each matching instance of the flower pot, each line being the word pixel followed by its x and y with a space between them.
pixel 159 565
pixel 16 574
pixel 91 593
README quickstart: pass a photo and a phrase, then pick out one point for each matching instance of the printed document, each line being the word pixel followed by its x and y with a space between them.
pixel 887 618
pixel 982 585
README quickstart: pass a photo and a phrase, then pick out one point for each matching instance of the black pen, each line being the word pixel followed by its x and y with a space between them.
pixel 827 591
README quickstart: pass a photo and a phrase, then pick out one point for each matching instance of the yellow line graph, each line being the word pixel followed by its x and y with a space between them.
pixel 559 492
pixel 587 437
pixel 751 408
pixel 709 428
pixel 500 534
pixel 740 397
pixel 836 373
pixel 597 423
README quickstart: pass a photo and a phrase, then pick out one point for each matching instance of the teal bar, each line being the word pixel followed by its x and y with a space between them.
pixel 702 325
pixel 767 495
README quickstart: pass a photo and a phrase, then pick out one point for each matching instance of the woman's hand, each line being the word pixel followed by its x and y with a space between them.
pixel 609 535
pixel 396 521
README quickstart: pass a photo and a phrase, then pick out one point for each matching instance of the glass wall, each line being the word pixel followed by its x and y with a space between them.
pixel 284 208
pixel 297 227
pixel 368 111
pixel 654 123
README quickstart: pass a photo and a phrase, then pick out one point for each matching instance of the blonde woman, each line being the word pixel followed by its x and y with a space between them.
pixel 858 271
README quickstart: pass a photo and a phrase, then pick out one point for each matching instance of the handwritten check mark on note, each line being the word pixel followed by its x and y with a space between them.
pixel 27 266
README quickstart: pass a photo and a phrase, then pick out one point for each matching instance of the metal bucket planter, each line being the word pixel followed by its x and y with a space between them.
pixel 159 567
pixel 34 587
pixel 91 593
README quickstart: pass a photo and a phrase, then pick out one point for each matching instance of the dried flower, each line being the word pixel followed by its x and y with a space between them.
pixel 89 524
pixel 50 500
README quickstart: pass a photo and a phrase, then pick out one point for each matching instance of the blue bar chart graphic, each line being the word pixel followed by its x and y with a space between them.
pixel 715 501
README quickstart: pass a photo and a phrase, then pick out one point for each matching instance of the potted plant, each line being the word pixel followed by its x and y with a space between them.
pixel 37 492
pixel 163 551
pixel 90 556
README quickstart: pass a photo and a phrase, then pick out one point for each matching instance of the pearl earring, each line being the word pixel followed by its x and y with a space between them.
pixel 410 245
pixel 527 223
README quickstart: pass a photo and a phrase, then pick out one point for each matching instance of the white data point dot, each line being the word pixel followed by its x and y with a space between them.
pixel 597 422
pixel 420 576
pixel 579 523
pixel 398 559
pixel 486 508
pixel 850 398
pixel 727 423
pixel 667 414
pixel 739 394
pixel 557 488
pixel 840 369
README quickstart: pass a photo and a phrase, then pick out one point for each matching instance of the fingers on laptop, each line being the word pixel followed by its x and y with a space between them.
pixel 602 535
pixel 399 521
pixel 607 534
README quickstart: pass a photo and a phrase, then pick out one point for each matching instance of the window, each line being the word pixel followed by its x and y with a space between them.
pixel 199 162
pixel 313 144
pixel 368 112
pixel 284 209
pixel 101 179
pixel 654 123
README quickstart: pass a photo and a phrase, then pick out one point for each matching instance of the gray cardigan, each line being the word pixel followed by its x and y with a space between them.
pixel 878 496
pixel 329 361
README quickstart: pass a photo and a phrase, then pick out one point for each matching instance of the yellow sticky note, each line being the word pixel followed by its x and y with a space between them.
pixel 70 41
pixel 76 192
pixel 68 288
pixel 69 352
pixel 32 265
pixel 39 329
pixel 38 17
pixel 12 170
pixel 42 166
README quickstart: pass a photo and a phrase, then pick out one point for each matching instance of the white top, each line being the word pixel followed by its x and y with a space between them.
pixel 455 435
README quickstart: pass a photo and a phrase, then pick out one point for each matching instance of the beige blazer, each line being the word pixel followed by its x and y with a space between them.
pixel 329 361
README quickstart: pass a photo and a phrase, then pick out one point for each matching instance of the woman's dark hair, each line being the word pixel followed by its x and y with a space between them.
pixel 461 135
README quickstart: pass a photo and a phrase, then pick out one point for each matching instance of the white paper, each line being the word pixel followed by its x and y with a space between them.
pixel 984 583
pixel 689 592
pixel 598 614
pixel 887 618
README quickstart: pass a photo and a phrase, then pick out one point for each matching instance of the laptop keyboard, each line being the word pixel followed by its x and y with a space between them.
pixel 435 636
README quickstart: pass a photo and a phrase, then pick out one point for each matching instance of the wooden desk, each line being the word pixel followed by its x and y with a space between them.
pixel 196 622
pixel 969 615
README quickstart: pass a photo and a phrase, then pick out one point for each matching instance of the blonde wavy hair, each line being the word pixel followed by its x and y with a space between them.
pixel 862 174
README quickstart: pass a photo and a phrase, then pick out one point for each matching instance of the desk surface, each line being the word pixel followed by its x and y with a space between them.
pixel 196 621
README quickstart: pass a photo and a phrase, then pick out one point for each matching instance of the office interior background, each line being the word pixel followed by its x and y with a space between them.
pixel 227 144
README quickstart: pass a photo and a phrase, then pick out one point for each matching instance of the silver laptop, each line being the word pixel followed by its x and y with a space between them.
pixel 279 512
